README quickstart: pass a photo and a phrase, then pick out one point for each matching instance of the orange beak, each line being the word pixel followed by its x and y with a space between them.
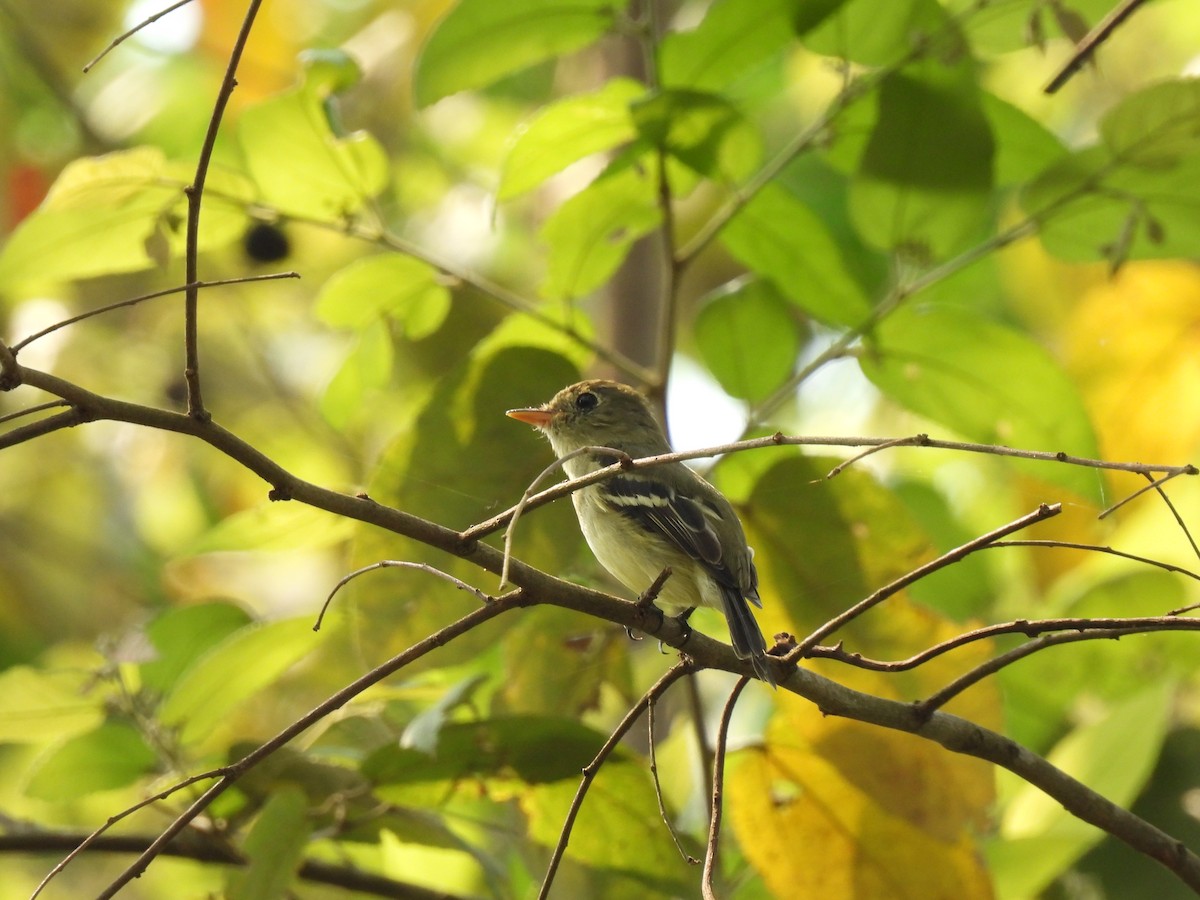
pixel 538 418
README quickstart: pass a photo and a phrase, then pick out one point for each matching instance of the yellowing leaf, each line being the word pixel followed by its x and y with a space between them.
pixel 813 832
pixel 1134 346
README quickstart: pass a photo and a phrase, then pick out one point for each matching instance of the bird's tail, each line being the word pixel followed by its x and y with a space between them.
pixel 747 637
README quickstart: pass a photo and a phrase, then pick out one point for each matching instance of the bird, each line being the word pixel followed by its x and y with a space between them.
pixel 639 522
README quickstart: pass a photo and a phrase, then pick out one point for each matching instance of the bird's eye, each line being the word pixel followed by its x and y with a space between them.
pixel 587 400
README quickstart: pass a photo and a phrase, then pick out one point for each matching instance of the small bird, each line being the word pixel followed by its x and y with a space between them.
pixel 639 522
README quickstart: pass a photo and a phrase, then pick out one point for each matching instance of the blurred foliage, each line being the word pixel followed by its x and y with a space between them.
pixel 878 225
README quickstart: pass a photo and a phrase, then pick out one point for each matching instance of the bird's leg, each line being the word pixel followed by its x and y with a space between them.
pixel 682 619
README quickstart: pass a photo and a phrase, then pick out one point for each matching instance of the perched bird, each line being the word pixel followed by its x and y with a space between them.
pixel 641 521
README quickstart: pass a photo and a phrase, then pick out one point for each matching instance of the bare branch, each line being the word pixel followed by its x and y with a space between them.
pixel 40 428
pixel 398 564
pixel 32 410
pixel 1045 511
pixel 246 279
pixel 122 38
pixel 1091 42
pixel 718 783
pixel 651 742
pixel 659 687
pixel 233 772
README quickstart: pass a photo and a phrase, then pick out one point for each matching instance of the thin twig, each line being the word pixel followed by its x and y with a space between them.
pixel 656 690
pixel 1101 548
pixel 436 640
pixel 122 38
pixel 651 742
pixel 1153 485
pixel 1043 512
pixel 88 842
pixel 32 410
pixel 245 279
pixel 1091 42
pixel 195 198
pixel 718 779
pixel 398 564
pixel 66 419
pixel 486 527
pixel 1187 533
pixel 510 531
pixel 1173 621
pixel 847 463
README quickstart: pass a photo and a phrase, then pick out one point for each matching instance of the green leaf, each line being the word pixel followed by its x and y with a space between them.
pixel 507 747
pixel 1114 756
pixel 181 635
pixel 274 848
pixel 915 189
pixel 590 235
pixel 116 213
pixel 882 34
pixel 733 38
pixel 423 731
pixel 35 705
pixel 299 158
pixel 367 366
pixel 234 670
pixel 748 338
pixel 481 41
pixel 273 527
pixel 403 288
pixel 618 831
pixel 1137 195
pixel 567 131
pixel 1157 126
pixel 987 382
pixel 112 756
pixel 1024 147
pixel 702 130
pixel 780 238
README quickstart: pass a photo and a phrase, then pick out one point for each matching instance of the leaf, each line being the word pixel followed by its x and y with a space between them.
pixel 748 338
pixel 590 235
pixel 274 848
pixel 567 131
pixel 272 527
pixel 301 162
pixel 780 238
pixel 402 288
pixel 181 635
pixel 1157 126
pixel 367 366
pixel 988 382
pixel 513 746
pixel 423 731
pixel 702 130
pixel 121 212
pixel 1113 756
pixel 813 830
pixel 236 669
pixel 916 190
pixel 111 756
pixel 481 41
pixel 618 831
pixel 882 34
pixel 731 40
pixel 36 705
pixel 1024 147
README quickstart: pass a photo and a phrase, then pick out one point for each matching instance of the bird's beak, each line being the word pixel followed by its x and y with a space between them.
pixel 535 416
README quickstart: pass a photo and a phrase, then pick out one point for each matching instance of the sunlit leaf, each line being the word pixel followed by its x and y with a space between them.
pixel 121 212
pixel 181 635
pixel 301 161
pixel 1157 126
pixel 367 366
pixel 480 41
pixel 987 382
pixel 732 39
pixel 567 131
pixel 112 756
pixel 404 289
pixel 780 238
pixel 273 526
pixel 702 130
pixel 232 672
pixel 882 34
pixel 590 235
pixel 748 338
pixel 1114 756
pixel 274 849
pixel 915 190
pixel 36 705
